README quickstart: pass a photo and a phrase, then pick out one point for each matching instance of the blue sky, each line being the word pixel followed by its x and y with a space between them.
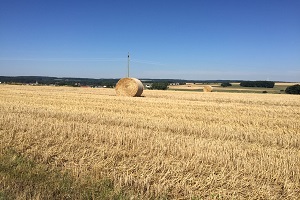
pixel 187 39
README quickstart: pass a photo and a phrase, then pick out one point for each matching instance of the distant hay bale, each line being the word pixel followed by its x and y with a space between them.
pixel 207 88
pixel 131 87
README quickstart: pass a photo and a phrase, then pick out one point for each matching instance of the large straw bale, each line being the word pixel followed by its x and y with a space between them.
pixel 131 87
pixel 207 88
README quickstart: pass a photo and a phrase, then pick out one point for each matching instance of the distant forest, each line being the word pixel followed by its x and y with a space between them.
pixel 76 82
pixel 265 84
pixel 43 80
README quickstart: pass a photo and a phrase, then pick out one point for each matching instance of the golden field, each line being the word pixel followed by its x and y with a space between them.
pixel 167 144
pixel 235 88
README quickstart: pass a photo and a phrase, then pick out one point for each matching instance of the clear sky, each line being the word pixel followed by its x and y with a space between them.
pixel 184 39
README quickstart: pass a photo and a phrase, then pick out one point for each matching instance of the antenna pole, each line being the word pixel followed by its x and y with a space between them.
pixel 128 66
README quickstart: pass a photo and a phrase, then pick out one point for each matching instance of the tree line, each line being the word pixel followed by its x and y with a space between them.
pixel 43 80
pixel 264 84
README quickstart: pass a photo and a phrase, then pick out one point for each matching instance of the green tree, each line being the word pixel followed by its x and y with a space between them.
pixel 226 84
pixel 159 86
pixel 294 89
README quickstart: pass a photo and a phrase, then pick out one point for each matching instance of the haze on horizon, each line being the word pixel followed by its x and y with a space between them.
pixel 193 39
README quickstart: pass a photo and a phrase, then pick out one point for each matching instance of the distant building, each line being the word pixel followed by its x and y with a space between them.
pixel 147 85
pixel 174 84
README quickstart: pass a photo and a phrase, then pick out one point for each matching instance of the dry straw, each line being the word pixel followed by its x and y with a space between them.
pixel 207 88
pixel 131 87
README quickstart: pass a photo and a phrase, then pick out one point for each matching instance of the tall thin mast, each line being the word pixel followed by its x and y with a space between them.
pixel 128 65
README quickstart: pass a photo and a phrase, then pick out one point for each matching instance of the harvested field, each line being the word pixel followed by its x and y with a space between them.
pixel 191 86
pixel 279 88
pixel 287 84
pixel 168 144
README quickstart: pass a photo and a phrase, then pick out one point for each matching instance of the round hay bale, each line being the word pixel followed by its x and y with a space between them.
pixel 130 87
pixel 207 88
